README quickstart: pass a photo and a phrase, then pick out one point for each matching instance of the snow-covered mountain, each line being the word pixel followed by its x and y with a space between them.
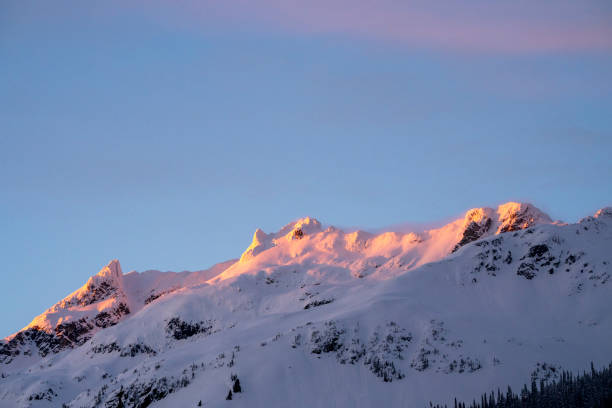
pixel 317 317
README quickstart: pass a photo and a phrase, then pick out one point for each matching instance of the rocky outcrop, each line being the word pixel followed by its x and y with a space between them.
pixel 604 212
pixel 29 341
pixel 518 216
pixel 180 329
pixel 481 222
pixel 478 222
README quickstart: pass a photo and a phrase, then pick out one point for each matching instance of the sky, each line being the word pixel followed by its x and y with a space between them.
pixel 163 133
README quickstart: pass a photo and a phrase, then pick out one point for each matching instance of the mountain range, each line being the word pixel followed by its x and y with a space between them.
pixel 314 316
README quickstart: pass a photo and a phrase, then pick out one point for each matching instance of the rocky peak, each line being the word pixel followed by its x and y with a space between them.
pixel 259 237
pixel 261 241
pixel 111 277
pixel 476 224
pixel 103 285
pixel 293 231
pixel 511 216
pixel 604 212
pixel 301 227
pixel 478 215
pixel 111 270
pixel 514 216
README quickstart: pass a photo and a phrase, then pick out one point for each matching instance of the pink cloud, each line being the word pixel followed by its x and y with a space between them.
pixel 482 26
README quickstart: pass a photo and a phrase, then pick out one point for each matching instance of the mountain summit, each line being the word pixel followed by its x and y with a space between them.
pixel 480 222
pixel 294 230
pixel 309 316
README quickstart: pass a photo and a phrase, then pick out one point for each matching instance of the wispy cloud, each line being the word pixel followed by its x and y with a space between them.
pixel 482 26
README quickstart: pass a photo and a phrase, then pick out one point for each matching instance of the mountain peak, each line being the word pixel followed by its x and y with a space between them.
pixel 259 237
pixel 514 216
pixel 294 230
pixel 478 214
pixel 261 241
pixel 113 268
pixel 604 212
pixel 510 216
pixel 476 224
pixel 308 225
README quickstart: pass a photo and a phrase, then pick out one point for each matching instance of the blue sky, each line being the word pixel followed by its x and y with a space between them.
pixel 164 133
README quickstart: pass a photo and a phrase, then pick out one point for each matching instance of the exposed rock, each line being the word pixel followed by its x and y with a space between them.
pixel 328 339
pixel 537 251
pixel 74 331
pixel 480 222
pixel 473 232
pixel 517 216
pixel 527 270
pixel 181 330
pixel 298 233
pixel 316 303
pixel 604 212
pixel 156 295
pixel 31 340
pixel 47 394
pixel 380 353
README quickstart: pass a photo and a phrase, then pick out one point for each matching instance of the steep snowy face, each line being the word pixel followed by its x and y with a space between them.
pixel 261 242
pixel 100 303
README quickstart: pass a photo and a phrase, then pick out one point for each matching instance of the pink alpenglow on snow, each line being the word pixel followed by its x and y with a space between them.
pixel 109 296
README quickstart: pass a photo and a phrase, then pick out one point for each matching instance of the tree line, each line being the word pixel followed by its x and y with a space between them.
pixel 587 390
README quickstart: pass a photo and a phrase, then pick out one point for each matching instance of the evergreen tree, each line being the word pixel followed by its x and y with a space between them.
pixel 237 387
pixel 590 390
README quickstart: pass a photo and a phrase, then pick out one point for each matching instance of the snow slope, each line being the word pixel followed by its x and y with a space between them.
pixel 313 317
